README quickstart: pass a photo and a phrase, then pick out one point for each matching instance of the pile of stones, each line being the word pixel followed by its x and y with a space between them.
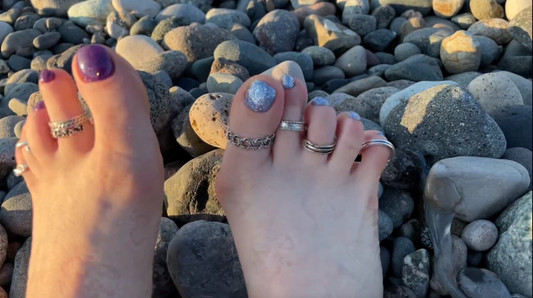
pixel 447 81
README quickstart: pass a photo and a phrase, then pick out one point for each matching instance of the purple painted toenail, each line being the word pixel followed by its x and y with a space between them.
pixel 95 63
pixel 260 96
pixel 46 76
pixel 354 116
pixel 287 81
pixel 39 106
pixel 320 101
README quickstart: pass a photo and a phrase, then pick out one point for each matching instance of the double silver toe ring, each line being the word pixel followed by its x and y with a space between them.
pixel 67 128
pixel 320 149
pixel 379 142
pixel 250 143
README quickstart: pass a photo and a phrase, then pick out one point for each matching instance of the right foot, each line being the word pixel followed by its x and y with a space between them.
pixel 97 195
pixel 304 224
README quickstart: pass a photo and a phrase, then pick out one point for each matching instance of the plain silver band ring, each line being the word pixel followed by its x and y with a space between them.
pixel 23 144
pixel 320 149
pixel 379 142
pixel 292 125
pixel 21 168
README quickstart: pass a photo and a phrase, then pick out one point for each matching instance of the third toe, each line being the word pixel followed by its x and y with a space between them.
pixel 322 123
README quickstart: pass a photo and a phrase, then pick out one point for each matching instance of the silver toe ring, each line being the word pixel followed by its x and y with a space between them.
pixel 20 169
pixel 249 143
pixel 23 144
pixel 379 142
pixel 320 149
pixel 71 126
pixel 293 125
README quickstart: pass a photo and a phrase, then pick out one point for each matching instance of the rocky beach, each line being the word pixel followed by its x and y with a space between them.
pixel 448 82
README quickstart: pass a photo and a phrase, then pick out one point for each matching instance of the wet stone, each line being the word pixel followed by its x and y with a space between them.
pixel 480 283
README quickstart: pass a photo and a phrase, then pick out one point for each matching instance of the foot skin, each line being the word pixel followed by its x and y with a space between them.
pixel 97 194
pixel 304 224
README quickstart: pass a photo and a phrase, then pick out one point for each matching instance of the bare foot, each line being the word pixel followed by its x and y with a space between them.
pixel 96 194
pixel 305 224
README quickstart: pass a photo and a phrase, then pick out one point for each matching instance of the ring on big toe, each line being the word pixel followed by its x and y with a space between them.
pixel 320 149
pixel 379 142
pixel 72 126
pixel 23 144
pixel 21 168
pixel 292 125
pixel 250 143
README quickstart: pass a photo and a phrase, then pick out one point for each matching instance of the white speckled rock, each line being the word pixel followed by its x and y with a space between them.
pixel 209 116
pixel 480 235
pixel 5 29
pixel 138 49
pixel 494 91
pixel 90 12
pixel 460 52
pixel 137 8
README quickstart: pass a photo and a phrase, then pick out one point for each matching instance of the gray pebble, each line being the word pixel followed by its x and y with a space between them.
pixel 20 43
pixel 16 212
pixel 302 59
pixel 379 40
pixel 7 126
pixel 397 204
pixel 480 235
pixel 46 40
pixel 321 56
pixel 401 247
pixel 405 50
pixel 223 82
pixel 481 283
pixel 385 225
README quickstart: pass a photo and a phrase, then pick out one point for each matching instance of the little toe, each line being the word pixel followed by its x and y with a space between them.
pixel 373 158
pixel 37 134
pixel 350 133
pixel 62 103
pixel 117 99
pixel 255 113
pixel 322 123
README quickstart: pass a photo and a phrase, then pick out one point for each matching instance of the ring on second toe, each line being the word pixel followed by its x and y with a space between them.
pixel 67 128
pixel 292 125
pixel 250 143
pixel 320 149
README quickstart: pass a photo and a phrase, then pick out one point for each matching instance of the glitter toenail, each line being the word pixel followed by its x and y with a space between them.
pixel 287 81
pixel 46 76
pixel 94 63
pixel 39 106
pixel 380 133
pixel 320 101
pixel 354 116
pixel 260 96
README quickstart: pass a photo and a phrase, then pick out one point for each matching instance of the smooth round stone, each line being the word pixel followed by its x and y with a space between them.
pixel 402 247
pixel 401 6
pixel 514 7
pixel 225 18
pixel 353 61
pixel 7 127
pixel 16 212
pixel 464 20
pixel 116 26
pixel 361 24
pixel 517 59
pixel 495 91
pixel 486 9
pixel 223 82
pixel 460 52
pixel 304 61
pixel 495 29
pixel 138 49
pixel 321 9
pixel 480 235
pixel 242 33
pixel 385 58
pixel 229 67
pixel 323 74
pixel 211 106
pixel 17 63
pixel 185 135
pixel 416 272
pixel 46 40
pixel 520 155
pixel 481 283
pixel 277 31
pixel 90 12
pixel 447 8
pixel 53 7
pixel 136 8
pixel 398 205
pixel 162 285
pixel 515 122
pixel 405 50
pixel 196 41
pixel 415 68
pixel 26 21
pixel 475 187
pixel 379 40
pixel 321 56
pixel 20 43
pixel 333 36
pixel 203 262
pixel 428 40
pixel 489 49
pixel 144 25
pixel 384 16
pixel 252 57
pixel 520 28
pixel 172 62
pixel 385 225
pixel 189 11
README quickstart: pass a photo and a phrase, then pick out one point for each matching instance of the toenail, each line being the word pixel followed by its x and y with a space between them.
pixel 287 81
pixel 380 133
pixel 320 101
pixel 354 116
pixel 39 106
pixel 260 96
pixel 95 63
pixel 46 76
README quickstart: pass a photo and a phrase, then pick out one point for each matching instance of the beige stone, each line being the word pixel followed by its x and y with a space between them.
pixel 460 52
pixel 447 8
pixel 209 116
